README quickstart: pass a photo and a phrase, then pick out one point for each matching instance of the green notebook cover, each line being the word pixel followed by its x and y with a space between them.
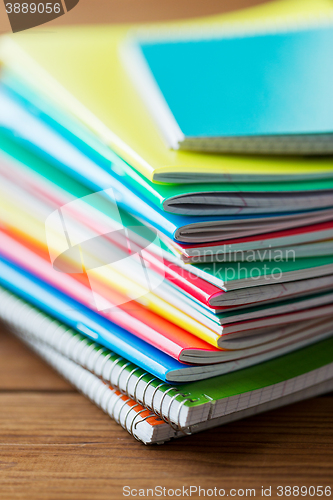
pixel 233 271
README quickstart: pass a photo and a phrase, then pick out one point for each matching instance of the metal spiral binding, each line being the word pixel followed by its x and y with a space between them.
pixel 173 425
pixel 159 411
pixel 95 391
pixel 114 364
pixel 109 392
pixel 140 422
pixel 131 428
pixel 105 408
pixel 136 386
pixel 182 429
pixel 119 374
pixel 99 394
pixel 176 425
pixel 55 334
pixel 73 339
pixel 63 339
pixel 128 379
pixel 75 347
pixel 87 354
pixel 151 407
pixel 124 425
pixel 161 403
pixel 122 406
pixel 53 326
pixel 79 381
pixel 118 396
pixel 128 412
pixel 91 387
pixel 153 397
pixel 62 342
pixel 57 342
pixel 78 348
pixel 82 381
pixel 144 393
pixel 85 381
pixel 94 360
pixel 105 360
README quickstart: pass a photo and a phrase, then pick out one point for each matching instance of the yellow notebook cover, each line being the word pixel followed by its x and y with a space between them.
pixel 80 69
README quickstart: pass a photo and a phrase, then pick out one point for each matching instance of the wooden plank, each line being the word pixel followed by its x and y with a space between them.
pixel 62 446
pixel 20 369
pixel 59 445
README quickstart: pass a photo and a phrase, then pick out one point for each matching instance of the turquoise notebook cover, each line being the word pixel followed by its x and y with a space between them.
pixel 266 84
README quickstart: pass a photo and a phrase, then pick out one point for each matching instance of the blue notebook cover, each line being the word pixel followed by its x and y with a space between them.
pixel 87 322
pixel 267 84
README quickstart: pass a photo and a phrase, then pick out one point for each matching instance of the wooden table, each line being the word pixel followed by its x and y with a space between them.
pixel 55 444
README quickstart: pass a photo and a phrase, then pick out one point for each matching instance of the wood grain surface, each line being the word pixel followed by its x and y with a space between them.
pixel 55 444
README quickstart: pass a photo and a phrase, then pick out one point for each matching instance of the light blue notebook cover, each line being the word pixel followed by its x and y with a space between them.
pixel 267 84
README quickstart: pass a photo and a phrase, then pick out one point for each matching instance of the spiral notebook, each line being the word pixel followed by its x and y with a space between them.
pixel 186 407
pixel 139 421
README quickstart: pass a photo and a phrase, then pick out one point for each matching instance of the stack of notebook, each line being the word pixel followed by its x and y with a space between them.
pixel 178 285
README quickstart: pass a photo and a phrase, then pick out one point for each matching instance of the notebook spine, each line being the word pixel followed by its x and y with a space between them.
pixel 109 399
pixel 100 361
